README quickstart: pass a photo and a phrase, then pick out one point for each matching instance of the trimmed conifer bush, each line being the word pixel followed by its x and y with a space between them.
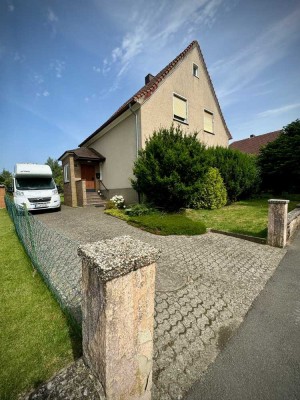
pixel 213 192
pixel 170 168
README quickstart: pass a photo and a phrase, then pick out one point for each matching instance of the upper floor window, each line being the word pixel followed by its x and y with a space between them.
pixel 196 70
pixel 179 108
pixel 208 121
pixel 66 173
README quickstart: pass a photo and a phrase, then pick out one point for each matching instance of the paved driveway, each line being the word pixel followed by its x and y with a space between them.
pixel 205 286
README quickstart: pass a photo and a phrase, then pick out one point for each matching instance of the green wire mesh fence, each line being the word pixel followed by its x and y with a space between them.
pixel 54 256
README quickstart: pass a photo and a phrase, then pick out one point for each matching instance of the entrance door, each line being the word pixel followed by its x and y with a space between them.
pixel 88 173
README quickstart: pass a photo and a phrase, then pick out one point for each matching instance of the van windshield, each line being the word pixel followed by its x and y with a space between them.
pixel 34 183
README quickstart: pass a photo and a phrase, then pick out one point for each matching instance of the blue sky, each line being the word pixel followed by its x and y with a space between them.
pixel 67 65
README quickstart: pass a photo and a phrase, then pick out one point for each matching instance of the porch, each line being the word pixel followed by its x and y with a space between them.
pixel 83 186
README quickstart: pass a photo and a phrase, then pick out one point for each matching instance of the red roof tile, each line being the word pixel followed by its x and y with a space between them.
pixel 253 144
pixel 148 89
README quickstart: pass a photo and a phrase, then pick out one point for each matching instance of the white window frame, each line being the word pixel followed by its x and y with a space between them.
pixel 67 173
pixel 213 121
pixel 176 118
pixel 195 70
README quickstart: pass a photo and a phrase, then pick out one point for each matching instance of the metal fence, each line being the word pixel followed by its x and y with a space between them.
pixel 54 256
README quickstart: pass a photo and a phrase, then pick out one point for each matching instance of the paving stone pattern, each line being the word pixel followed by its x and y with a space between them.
pixel 205 286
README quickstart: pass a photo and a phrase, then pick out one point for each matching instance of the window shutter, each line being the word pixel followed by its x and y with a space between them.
pixel 180 110
pixel 208 121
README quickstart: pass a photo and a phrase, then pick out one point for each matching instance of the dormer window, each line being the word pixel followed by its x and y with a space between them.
pixel 196 70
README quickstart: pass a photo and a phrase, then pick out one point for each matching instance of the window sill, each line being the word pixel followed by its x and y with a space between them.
pixel 182 122
pixel 211 133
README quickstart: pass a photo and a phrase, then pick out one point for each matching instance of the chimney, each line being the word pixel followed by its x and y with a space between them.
pixel 252 136
pixel 148 78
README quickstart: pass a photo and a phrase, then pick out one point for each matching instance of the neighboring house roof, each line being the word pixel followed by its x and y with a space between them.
pixel 83 153
pixel 147 90
pixel 253 144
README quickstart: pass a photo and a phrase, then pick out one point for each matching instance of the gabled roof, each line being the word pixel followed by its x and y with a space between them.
pixel 147 90
pixel 253 144
pixel 83 153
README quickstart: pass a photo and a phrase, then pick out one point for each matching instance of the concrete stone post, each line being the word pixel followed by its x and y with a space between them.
pixel 118 287
pixel 277 224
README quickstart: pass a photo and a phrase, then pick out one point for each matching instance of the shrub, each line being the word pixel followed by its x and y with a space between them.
pixel 279 161
pixel 213 193
pixel 118 200
pixel 110 205
pixel 170 168
pixel 239 171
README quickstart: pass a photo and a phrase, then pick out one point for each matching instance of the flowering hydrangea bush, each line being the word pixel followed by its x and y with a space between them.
pixel 119 201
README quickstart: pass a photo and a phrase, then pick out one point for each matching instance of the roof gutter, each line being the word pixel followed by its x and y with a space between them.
pixel 136 130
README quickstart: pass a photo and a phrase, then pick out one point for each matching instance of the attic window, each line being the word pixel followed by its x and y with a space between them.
pixel 179 108
pixel 208 121
pixel 196 70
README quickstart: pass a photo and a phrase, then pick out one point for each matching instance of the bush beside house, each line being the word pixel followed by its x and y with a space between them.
pixel 175 170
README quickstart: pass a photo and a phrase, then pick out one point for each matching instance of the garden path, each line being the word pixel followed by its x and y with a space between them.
pixel 205 286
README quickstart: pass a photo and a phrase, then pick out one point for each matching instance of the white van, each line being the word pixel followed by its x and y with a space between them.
pixel 34 187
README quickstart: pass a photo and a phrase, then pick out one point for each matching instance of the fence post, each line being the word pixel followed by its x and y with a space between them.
pixel 277 224
pixel 118 287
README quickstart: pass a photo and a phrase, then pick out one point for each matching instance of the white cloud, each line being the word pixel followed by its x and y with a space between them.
pixel 272 45
pixel 97 69
pixel 45 93
pixel 58 67
pixel 17 57
pixel 152 28
pixel 52 20
pixel 279 110
pixel 51 16
pixel 11 7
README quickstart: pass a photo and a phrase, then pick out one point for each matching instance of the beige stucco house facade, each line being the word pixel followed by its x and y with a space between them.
pixel 182 93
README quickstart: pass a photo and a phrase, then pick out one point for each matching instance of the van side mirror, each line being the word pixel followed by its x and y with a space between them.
pixel 10 189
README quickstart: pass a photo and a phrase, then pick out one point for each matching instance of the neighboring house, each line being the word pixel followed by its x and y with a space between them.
pixel 182 93
pixel 253 144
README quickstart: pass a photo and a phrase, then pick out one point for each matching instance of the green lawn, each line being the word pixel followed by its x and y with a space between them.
pixel 35 337
pixel 162 223
pixel 248 217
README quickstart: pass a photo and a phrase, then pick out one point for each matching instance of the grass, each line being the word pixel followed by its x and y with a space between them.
pixel 35 338
pixel 162 223
pixel 248 217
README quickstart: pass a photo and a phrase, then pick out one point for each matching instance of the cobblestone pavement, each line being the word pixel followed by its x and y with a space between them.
pixel 205 286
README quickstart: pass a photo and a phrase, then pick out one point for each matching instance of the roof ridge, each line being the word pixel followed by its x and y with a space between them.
pixel 147 90
pixel 257 136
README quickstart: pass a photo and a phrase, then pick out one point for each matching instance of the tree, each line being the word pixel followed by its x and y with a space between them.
pixel 56 170
pixel 279 161
pixel 6 178
pixel 239 171
pixel 170 168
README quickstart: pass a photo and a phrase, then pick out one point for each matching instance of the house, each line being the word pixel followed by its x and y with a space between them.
pixel 254 143
pixel 181 93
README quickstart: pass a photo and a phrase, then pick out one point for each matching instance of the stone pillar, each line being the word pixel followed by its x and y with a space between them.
pixel 277 224
pixel 118 287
